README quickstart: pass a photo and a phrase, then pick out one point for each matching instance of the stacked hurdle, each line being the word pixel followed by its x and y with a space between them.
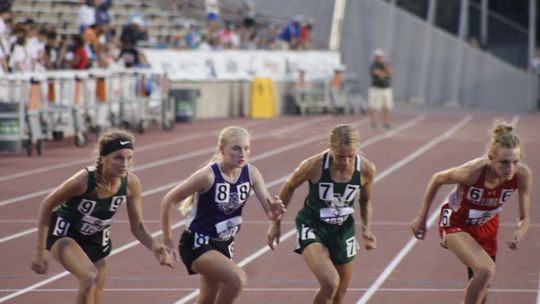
pixel 55 105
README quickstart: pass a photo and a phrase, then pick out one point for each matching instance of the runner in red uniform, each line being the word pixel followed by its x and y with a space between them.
pixel 469 222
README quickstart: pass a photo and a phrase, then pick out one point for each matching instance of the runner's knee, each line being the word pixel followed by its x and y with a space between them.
pixel 238 280
pixel 329 286
pixel 485 274
pixel 88 280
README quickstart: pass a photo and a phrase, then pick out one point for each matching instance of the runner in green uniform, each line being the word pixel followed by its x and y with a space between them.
pixel 337 178
pixel 74 220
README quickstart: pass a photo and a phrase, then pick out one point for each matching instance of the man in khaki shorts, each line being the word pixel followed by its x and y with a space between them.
pixel 380 94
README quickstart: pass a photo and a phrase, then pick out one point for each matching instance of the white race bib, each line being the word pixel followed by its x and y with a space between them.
pixel 479 217
pixel 90 225
pixel 228 228
pixel 335 215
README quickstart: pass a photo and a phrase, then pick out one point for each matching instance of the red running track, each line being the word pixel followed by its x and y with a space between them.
pixel 401 270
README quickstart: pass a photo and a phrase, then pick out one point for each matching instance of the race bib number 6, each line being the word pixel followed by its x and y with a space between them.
pixel 446 214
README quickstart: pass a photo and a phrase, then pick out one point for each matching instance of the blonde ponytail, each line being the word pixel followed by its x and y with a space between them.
pixel 502 136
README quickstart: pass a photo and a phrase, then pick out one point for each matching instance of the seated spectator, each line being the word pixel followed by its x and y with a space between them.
pixel 268 37
pixel 305 32
pixel 4 69
pixel 193 37
pixel 52 52
pixel 102 11
pixel 5 16
pixel 134 32
pixel 86 15
pixel 80 58
pixel 228 38
pixel 291 33
pixel 131 57
pixel 19 61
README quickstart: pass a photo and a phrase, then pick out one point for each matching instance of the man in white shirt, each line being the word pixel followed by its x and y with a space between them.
pixel 5 14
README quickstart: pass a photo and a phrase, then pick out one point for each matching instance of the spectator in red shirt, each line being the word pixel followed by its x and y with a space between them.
pixel 80 58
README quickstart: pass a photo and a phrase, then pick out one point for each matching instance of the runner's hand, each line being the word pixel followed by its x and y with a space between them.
pixel 370 242
pixel 39 262
pixel 164 256
pixel 273 234
pixel 277 209
pixel 516 241
pixel 418 227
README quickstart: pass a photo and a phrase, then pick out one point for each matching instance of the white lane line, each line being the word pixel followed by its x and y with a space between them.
pixel 538 291
pixel 172 159
pixel 397 259
pixel 254 222
pixel 380 176
pixel 17 235
pixel 312 289
pixel 79 161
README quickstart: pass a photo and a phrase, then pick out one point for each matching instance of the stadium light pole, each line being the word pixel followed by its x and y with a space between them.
pixel 337 24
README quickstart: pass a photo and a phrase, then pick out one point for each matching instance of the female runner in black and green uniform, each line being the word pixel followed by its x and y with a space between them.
pixel 325 226
pixel 74 220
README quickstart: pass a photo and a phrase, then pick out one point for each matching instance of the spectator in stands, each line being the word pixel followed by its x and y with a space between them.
pixel 212 17
pixel 248 21
pixel 35 46
pixel 52 52
pixel 291 33
pixel 80 58
pixel 130 36
pixel 380 94
pixel 91 44
pixel 66 51
pixel 249 12
pixel 5 16
pixel 139 16
pixel 211 7
pixel 228 38
pixel 4 69
pixel 267 37
pixel 102 11
pixel 134 32
pixel 131 57
pixel 305 32
pixel 86 15
pixel 19 61
pixel 193 37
